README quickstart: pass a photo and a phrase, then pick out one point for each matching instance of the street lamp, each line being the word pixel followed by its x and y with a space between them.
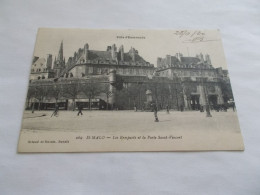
pixel 205 96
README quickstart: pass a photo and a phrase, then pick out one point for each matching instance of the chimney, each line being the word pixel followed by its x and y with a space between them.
pixel 132 53
pixel 201 57
pixel 113 52
pixel 121 50
pixel 86 48
pixel 159 62
pixel 207 56
pixel 49 61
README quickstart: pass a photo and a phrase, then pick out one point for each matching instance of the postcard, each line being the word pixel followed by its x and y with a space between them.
pixel 129 90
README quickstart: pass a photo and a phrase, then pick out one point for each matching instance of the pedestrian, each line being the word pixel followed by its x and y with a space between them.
pixel 201 108
pixel 154 106
pixel 167 109
pixel 80 107
pixel 56 110
pixel 33 107
pixel 181 108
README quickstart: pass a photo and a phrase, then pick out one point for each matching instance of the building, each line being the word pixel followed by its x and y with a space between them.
pixel 122 80
pixel 200 81
pixel 41 68
pixel 92 62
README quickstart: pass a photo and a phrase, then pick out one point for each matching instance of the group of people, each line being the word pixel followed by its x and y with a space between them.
pixel 153 107
pixel 56 110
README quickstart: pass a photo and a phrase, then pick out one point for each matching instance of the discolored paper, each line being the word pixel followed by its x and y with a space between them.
pixel 129 90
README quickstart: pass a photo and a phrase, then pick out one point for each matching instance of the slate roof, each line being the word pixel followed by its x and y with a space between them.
pixel 106 55
pixel 189 60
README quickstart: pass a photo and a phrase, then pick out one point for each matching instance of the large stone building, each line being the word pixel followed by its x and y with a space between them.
pixel 128 81
pixel 202 83
pixel 93 62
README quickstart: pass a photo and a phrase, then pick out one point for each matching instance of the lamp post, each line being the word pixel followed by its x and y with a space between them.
pixel 205 97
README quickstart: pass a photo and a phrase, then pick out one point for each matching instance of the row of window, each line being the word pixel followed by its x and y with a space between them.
pixel 195 73
pixel 36 64
pixel 185 66
pixel 108 61
pixel 39 70
pixel 126 71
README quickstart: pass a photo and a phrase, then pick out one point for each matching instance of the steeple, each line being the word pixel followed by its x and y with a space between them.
pixel 60 54
pixel 59 62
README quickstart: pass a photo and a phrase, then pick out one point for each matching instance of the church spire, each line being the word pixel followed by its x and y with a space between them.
pixel 60 55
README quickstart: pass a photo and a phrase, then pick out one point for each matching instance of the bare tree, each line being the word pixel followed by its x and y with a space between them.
pixel 30 94
pixel 106 90
pixel 71 89
pixel 56 91
pixel 91 90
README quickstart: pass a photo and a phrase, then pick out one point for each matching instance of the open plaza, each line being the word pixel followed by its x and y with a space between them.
pixel 130 121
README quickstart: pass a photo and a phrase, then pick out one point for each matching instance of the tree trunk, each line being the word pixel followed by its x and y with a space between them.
pixel 33 107
pixel 107 101
pixel 73 106
pixel 39 105
pixel 89 103
pixel 28 103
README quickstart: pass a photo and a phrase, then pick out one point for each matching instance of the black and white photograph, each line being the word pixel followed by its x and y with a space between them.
pixel 129 90
pixel 127 97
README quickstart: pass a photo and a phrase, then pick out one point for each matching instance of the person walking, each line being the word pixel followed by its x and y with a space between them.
pixel 154 106
pixel 167 109
pixel 56 110
pixel 80 107
pixel 182 108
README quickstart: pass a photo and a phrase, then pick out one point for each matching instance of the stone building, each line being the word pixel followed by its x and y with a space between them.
pixel 125 80
pixel 41 68
pixel 200 81
pixel 94 62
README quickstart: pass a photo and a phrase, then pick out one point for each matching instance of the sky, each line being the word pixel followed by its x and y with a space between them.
pixel 149 43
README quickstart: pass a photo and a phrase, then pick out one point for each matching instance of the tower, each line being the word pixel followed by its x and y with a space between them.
pixel 59 62
pixel 60 54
